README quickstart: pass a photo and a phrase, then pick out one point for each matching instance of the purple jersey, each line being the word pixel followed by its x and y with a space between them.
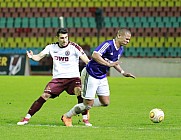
pixel 110 53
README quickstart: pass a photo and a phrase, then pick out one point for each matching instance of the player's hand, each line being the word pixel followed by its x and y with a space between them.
pixel 29 54
pixel 129 75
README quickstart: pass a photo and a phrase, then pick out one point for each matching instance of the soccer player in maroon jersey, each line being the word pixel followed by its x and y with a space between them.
pixel 66 76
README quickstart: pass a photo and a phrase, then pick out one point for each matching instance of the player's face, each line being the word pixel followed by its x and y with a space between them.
pixel 124 39
pixel 63 39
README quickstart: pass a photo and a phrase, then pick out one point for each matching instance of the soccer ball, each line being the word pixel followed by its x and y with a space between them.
pixel 156 115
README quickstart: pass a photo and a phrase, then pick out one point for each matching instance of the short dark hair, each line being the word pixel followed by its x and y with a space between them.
pixel 123 31
pixel 62 31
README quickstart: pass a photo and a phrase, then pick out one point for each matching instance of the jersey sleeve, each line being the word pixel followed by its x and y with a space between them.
pixel 101 49
pixel 79 51
pixel 46 50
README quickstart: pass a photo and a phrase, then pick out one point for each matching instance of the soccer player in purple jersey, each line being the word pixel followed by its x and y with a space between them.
pixel 66 76
pixel 106 55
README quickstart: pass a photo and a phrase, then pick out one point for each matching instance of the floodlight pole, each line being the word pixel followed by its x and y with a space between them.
pixel 61 21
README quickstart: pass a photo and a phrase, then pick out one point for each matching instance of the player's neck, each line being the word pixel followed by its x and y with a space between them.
pixel 118 45
pixel 61 46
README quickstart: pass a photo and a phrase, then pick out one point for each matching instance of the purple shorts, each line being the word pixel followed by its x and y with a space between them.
pixel 56 86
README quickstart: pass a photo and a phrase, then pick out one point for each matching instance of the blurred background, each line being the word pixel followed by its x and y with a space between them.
pixel 32 24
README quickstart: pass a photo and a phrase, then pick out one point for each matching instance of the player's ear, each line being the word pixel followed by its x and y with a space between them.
pixel 118 36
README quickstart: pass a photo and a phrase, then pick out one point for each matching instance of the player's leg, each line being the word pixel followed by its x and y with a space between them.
pixel 85 114
pixel 50 91
pixel 88 94
pixel 84 75
pixel 74 87
pixel 103 93
pixel 35 107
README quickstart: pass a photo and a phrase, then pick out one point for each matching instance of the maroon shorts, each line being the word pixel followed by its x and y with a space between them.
pixel 56 86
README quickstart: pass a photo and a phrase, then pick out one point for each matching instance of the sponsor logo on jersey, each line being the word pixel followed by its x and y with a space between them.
pixel 63 59
pixel 67 53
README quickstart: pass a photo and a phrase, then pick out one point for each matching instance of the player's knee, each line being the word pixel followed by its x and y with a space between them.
pixel 105 104
pixel 79 108
pixel 88 107
pixel 46 96
pixel 77 91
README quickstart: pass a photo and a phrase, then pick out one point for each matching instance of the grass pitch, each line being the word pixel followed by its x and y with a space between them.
pixel 126 118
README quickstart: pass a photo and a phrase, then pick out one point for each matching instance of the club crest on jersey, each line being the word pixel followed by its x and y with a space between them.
pixel 67 53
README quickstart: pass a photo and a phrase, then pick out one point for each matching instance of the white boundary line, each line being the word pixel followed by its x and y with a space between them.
pixel 111 127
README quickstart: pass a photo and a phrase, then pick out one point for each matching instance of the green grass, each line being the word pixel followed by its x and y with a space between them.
pixel 125 119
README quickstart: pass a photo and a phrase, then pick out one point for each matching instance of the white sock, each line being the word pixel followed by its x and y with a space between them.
pixel 85 117
pixel 28 116
pixel 96 102
pixel 72 112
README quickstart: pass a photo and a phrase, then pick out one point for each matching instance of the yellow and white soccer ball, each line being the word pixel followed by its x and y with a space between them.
pixel 156 115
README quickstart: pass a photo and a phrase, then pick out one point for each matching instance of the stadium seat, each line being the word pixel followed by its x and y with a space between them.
pixel 48 22
pixel 11 41
pixel 9 22
pixel 56 22
pixel 56 4
pixel 40 22
pixel 3 22
pixel 114 22
pixel 24 4
pixel 4 4
pixel 69 22
pixel 39 4
pixel 27 42
pixel 18 42
pixel 132 51
pixel 83 4
pixel 68 4
pixel 92 23
pixel 170 52
pixel 10 4
pixel 105 4
pixel 84 22
pixel 32 4
pixel 148 3
pixel 41 42
pixel 134 4
pixel 107 22
pixel 34 43
pixel 25 22
pixel 48 4
pixel 32 22
pixel 18 22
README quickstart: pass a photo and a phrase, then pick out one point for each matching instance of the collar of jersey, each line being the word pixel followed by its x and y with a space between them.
pixel 63 46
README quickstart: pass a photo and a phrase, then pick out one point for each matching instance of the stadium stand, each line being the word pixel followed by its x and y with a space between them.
pixel 32 24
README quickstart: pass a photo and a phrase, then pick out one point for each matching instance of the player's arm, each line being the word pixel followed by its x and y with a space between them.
pixel 98 58
pixel 120 70
pixel 84 58
pixel 36 57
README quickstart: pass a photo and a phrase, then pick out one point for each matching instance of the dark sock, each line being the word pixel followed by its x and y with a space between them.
pixel 80 100
pixel 36 106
